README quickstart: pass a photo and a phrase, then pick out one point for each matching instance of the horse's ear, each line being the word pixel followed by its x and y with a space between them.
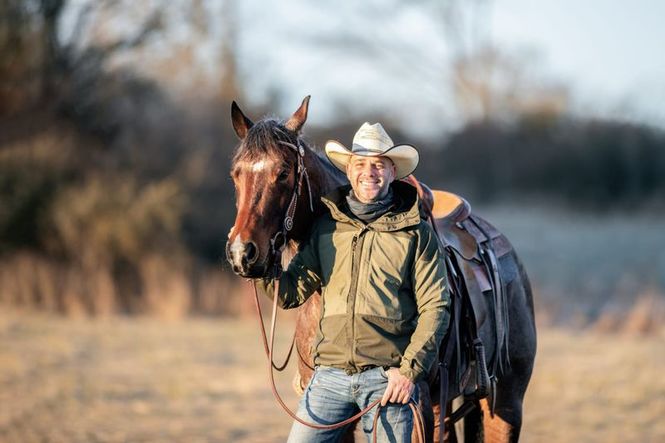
pixel 299 117
pixel 241 124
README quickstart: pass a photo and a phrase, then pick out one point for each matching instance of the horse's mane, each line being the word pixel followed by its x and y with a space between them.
pixel 261 140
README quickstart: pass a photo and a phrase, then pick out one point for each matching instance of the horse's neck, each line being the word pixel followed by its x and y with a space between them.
pixel 323 178
pixel 328 176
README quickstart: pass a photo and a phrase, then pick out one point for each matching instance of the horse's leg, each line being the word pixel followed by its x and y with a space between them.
pixel 506 423
pixel 437 425
pixel 306 323
pixel 449 432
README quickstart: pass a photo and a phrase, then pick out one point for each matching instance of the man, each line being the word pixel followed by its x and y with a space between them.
pixel 385 298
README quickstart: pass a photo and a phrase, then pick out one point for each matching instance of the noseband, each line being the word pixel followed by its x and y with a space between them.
pixel 278 241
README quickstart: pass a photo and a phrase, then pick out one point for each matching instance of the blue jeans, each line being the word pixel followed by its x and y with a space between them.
pixel 333 396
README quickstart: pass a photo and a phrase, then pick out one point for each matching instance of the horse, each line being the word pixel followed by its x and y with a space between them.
pixel 278 181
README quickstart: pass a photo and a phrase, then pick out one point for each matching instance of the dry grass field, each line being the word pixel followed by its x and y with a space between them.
pixel 204 380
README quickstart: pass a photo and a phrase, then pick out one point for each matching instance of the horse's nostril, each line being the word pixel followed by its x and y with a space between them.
pixel 251 252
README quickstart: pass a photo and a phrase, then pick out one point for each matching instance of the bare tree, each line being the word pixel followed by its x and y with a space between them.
pixel 22 48
pixel 492 85
pixel 229 87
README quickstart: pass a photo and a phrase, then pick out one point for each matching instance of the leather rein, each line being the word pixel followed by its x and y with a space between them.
pixel 277 243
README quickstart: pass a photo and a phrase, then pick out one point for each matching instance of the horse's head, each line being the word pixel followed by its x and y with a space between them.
pixel 266 170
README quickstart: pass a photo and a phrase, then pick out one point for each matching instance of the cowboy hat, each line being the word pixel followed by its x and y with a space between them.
pixel 373 141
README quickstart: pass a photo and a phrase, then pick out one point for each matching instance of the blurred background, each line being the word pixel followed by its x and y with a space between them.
pixel 115 196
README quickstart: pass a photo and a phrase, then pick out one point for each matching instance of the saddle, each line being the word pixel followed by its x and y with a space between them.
pixel 473 249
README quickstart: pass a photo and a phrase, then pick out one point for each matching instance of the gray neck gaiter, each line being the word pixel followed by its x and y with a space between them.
pixel 368 212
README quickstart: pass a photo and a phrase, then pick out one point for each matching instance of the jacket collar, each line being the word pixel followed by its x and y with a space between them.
pixel 405 213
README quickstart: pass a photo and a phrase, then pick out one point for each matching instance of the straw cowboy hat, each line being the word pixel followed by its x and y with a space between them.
pixel 373 141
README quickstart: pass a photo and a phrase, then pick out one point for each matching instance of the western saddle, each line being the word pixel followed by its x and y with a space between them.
pixel 473 249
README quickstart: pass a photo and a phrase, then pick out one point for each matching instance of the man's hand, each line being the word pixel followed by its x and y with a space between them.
pixel 399 388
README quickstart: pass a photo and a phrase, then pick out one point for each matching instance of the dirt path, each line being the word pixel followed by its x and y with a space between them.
pixel 141 380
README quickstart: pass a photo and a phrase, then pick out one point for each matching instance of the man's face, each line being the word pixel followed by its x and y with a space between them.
pixel 370 177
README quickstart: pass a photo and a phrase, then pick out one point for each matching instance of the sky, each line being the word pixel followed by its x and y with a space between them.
pixel 389 57
pixel 611 52
pixel 611 55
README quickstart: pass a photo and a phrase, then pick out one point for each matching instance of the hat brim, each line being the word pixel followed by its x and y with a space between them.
pixel 405 157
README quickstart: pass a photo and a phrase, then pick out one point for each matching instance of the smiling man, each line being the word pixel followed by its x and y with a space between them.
pixel 385 306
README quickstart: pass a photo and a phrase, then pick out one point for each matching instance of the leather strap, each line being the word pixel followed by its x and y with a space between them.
pixel 418 422
pixel 444 362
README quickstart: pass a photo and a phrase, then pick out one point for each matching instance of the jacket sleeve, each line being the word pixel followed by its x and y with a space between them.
pixel 432 296
pixel 300 280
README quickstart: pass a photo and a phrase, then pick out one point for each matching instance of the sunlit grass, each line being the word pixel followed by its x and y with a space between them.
pixel 121 379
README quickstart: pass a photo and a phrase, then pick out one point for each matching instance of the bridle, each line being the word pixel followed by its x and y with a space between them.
pixel 277 242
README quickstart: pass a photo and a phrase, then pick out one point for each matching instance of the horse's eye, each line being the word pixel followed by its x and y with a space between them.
pixel 283 176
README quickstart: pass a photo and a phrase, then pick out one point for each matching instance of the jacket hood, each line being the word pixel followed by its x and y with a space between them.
pixel 405 211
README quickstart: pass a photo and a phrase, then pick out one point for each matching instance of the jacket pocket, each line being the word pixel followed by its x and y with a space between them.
pixel 388 327
pixel 382 340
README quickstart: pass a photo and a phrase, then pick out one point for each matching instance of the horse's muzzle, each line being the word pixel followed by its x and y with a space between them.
pixel 243 258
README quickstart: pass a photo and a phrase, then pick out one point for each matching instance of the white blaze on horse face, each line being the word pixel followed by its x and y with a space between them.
pixel 259 166
pixel 237 250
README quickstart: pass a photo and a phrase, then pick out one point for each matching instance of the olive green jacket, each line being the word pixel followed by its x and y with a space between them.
pixel 385 295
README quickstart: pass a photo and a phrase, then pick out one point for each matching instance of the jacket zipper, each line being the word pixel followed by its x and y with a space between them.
pixel 355 266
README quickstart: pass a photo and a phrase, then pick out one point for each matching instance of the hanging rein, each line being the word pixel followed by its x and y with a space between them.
pixel 277 243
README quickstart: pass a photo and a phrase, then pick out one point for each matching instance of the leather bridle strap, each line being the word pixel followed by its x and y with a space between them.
pixel 288 222
pixel 269 347
pixel 301 172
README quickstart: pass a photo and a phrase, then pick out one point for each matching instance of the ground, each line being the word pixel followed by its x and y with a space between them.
pixel 205 380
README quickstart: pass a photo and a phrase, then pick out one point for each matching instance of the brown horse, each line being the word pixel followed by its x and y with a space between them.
pixel 267 171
